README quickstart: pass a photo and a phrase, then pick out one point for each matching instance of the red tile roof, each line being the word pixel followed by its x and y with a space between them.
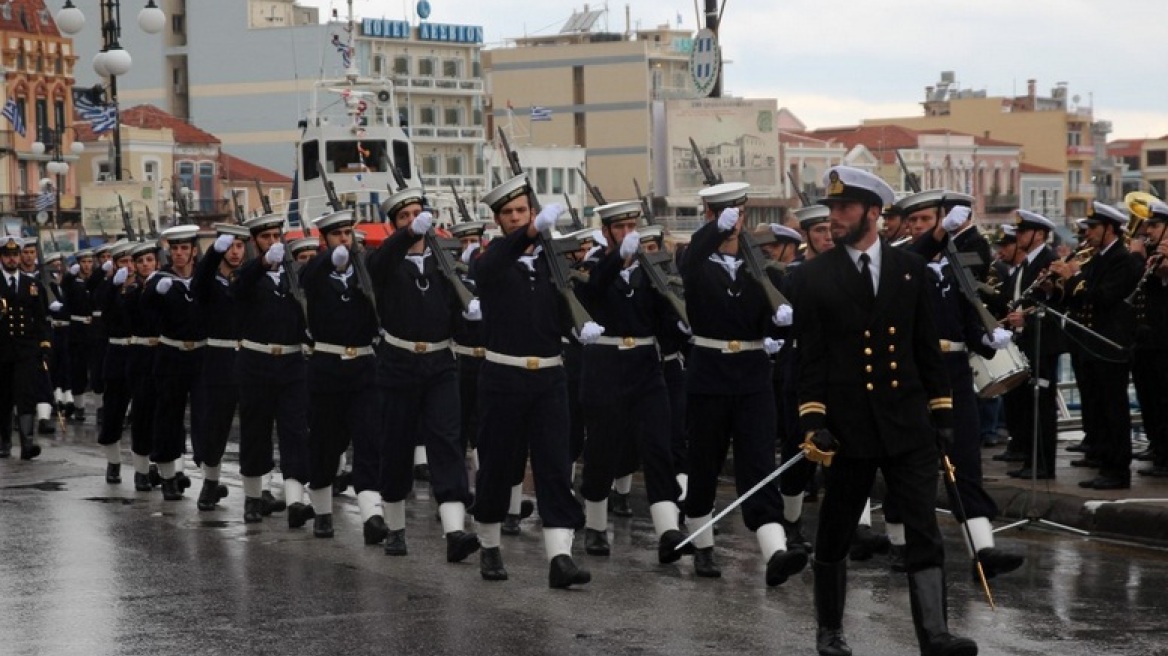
pixel 1125 147
pixel 233 168
pixel 1034 168
pixel 29 17
pixel 885 140
pixel 152 118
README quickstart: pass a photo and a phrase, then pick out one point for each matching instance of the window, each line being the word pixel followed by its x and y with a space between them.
pixel 205 191
pixel 43 131
pixel 356 156
pixel 451 68
pixel 401 65
pixel 1074 138
pixel 572 181
pixel 454 165
pixel 557 181
pixel 426 115
pixel 59 116
pixel 453 116
pixel 426 66
pixel 150 170
pixel 178 24
pixel 477 117
pixel 1033 198
pixel 430 165
pixel 476 70
pixel 186 174
pixel 541 181
pixel 1158 158
pixel 1074 178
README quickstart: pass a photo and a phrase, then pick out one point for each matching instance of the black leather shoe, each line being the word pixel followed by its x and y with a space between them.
pixel 113 473
pixel 1086 462
pixel 951 645
pixel 460 545
pixel 866 543
pixel 510 525
pixel 182 481
pixel 526 508
pixel 704 564
pixel 491 564
pixel 618 504
pixel 395 543
pixel 155 477
pixel 170 491
pixel 375 530
pixel 322 526
pixel 1077 447
pixel 271 504
pixel 830 642
pixel 78 414
pixel 299 514
pixel 421 472
pixel 46 427
pixel 208 496
pixel 342 483
pixel 795 539
pixel 596 542
pixel 896 560
pixel 142 482
pixel 1010 456
pixel 1147 455
pixel 68 410
pixel 253 512
pixel 1107 483
pixel 5 448
pixel 1156 471
pixel 563 573
pixel 996 560
pixel 1025 473
pixel 784 564
pixel 667 551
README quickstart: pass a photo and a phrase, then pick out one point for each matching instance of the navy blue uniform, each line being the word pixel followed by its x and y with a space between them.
pixel 216 396
pixel 117 385
pixel 178 361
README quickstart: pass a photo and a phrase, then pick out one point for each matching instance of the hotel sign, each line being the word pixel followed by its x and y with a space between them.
pixel 397 29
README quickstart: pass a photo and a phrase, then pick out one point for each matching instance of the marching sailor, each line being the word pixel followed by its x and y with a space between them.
pixel 23 345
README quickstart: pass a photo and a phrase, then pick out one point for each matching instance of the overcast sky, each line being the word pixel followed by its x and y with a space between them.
pixel 835 63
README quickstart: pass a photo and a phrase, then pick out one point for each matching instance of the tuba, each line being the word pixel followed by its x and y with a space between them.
pixel 1139 206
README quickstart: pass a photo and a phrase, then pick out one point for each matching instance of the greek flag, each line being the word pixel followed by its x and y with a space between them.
pixel 344 49
pixel 46 200
pixel 84 103
pixel 104 119
pixel 541 113
pixel 12 112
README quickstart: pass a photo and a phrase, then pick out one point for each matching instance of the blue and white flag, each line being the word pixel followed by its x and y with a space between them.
pixel 12 112
pixel 104 119
pixel 541 113
pixel 344 49
pixel 46 200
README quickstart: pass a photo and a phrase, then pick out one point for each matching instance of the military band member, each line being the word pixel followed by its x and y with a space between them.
pixel 23 345
pixel 870 375
pixel 117 387
pixel 271 373
pixel 731 396
pixel 1150 353
pixel 144 334
pixel 523 401
pixel 44 385
pixel 623 394
pixel 79 305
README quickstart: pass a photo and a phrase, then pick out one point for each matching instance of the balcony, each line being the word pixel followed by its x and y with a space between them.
pixel 446 134
pixel 1001 203
pixel 446 86
pixel 1080 152
pixel 1081 191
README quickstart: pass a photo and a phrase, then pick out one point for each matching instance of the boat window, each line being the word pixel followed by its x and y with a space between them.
pixel 310 156
pixel 401 157
pixel 356 156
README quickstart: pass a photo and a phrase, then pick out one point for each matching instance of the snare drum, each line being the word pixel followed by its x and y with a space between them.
pixel 1008 369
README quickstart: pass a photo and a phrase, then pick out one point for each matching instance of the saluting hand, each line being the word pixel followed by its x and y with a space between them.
pixel 630 245
pixel 547 217
pixel 121 275
pixel 956 218
pixel 223 242
pixel 421 223
pixel 275 255
pixel 728 219
pixel 340 258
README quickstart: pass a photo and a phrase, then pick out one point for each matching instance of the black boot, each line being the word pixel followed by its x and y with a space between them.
pixel 596 542
pixel 5 446
pixel 996 560
pixel 170 491
pixel 46 427
pixel 896 560
pixel 491 564
pixel 322 525
pixel 182 481
pixel 866 543
pixel 142 482
pixel 79 414
pixel 618 504
pixel 155 477
pixel 795 539
pixel 375 530
pixel 784 564
pixel 29 449
pixel 68 410
pixel 253 510
pixel 460 545
pixel 667 551
pixel 271 504
pixel 704 564
pixel 563 573
pixel 421 472
pixel 113 473
pixel 342 483
pixel 100 414
pixel 209 496
pixel 926 591
pixel 299 514
pixel 510 525
pixel 395 543
pixel 831 586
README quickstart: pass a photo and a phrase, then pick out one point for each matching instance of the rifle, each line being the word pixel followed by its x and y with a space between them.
pixel 126 220
pixel 463 212
pixel 593 190
pixel 803 198
pixel 708 176
pixel 646 206
pixel 440 249
pixel 239 215
pixel 576 225
pixel 46 280
pixel 364 280
pixel 180 201
pixel 557 266
pixel 264 202
pixel 751 257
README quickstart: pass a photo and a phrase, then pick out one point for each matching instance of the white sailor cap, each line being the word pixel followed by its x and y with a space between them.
pixel 121 248
pixel 409 196
pixel 103 248
pixel 726 194
pixel 143 248
pixel 586 237
pixel 53 257
pixel 619 211
pixel 933 198
pixel 1007 235
pixel 334 220
pixel 783 233
pixel 180 234
pixel 1097 212
pixel 258 224
pixel 507 192
pixel 303 244
pixel 849 183
pixel 85 253
pixel 468 229
pixel 1157 211
pixel 812 215
pixel 1024 219
pixel 11 243
pixel 651 233
pixel 233 229
pixel 598 237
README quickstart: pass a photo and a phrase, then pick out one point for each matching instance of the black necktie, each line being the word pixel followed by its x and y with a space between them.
pixel 867 275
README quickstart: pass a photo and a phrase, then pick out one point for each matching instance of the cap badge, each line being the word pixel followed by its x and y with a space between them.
pixel 835 186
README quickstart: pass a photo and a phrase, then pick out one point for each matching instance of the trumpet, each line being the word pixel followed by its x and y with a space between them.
pixel 1082 256
pixel 1139 205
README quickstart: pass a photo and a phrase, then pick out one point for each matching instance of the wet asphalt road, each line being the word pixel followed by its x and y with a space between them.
pixel 92 569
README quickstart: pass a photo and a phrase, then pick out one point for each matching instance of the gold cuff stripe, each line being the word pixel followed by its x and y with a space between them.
pixel 941 403
pixel 812 407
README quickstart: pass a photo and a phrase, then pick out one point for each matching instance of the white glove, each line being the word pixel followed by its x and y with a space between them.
pixel 473 311
pixel 275 254
pixel 630 245
pixel 772 346
pixel 107 266
pixel 163 285
pixel 728 219
pixel 684 327
pixel 956 218
pixel 55 306
pixel 546 219
pixel 469 252
pixel 121 275
pixel 590 332
pixel 421 223
pixel 341 257
pixel 223 242
pixel 75 269
pixel 784 316
pixel 999 340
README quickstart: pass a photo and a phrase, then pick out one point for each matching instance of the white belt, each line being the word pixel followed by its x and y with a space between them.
pixel 97 314
pixel 346 352
pixel 119 341
pixel 183 345
pixel 56 323
pixel 415 347
pixel 728 346
pixel 671 357
pixel 144 341
pixel 232 344
pixel 952 347
pixel 271 349
pixel 624 343
pixel 470 351
pixel 524 362
pixel 80 319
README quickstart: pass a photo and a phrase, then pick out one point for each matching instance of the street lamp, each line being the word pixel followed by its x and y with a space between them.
pixel 57 166
pixel 113 60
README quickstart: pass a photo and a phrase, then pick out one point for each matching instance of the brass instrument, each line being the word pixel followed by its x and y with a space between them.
pixel 1139 205
pixel 1082 256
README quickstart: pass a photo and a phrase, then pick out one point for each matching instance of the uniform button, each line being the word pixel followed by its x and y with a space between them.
pixel 892 348
pixel 867 334
pixel 868 368
pixel 870 387
pixel 867 351
pixel 892 330
pixel 895 384
pixel 892 366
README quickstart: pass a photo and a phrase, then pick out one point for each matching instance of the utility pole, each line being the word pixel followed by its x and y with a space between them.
pixel 712 25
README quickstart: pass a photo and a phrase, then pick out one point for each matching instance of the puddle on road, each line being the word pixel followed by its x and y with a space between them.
pixel 43 486
pixel 122 500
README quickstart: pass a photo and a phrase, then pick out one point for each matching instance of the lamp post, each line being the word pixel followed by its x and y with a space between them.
pixel 113 60
pixel 50 141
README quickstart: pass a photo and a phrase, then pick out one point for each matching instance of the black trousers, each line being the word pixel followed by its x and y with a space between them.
pixel 674 372
pixel 966 453
pixel 1150 375
pixel 746 421
pixel 418 407
pixel 214 401
pixel 468 398
pixel 795 480
pixel 521 410
pixel 1021 401
pixel 116 397
pixel 176 376
pixel 59 361
pixel 96 355
pixel 140 372
pixel 1104 389
pixel 272 392
pixel 17 389
pixel 344 407
pixel 573 364
pixel 912 487
pixel 79 365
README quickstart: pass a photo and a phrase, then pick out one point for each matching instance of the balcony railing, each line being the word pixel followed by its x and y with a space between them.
pixel 999 203
pixel 428 84
pixel 1080 151
pixel 446 133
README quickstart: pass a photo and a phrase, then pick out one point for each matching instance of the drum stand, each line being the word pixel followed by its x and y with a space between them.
pixel 1031 517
